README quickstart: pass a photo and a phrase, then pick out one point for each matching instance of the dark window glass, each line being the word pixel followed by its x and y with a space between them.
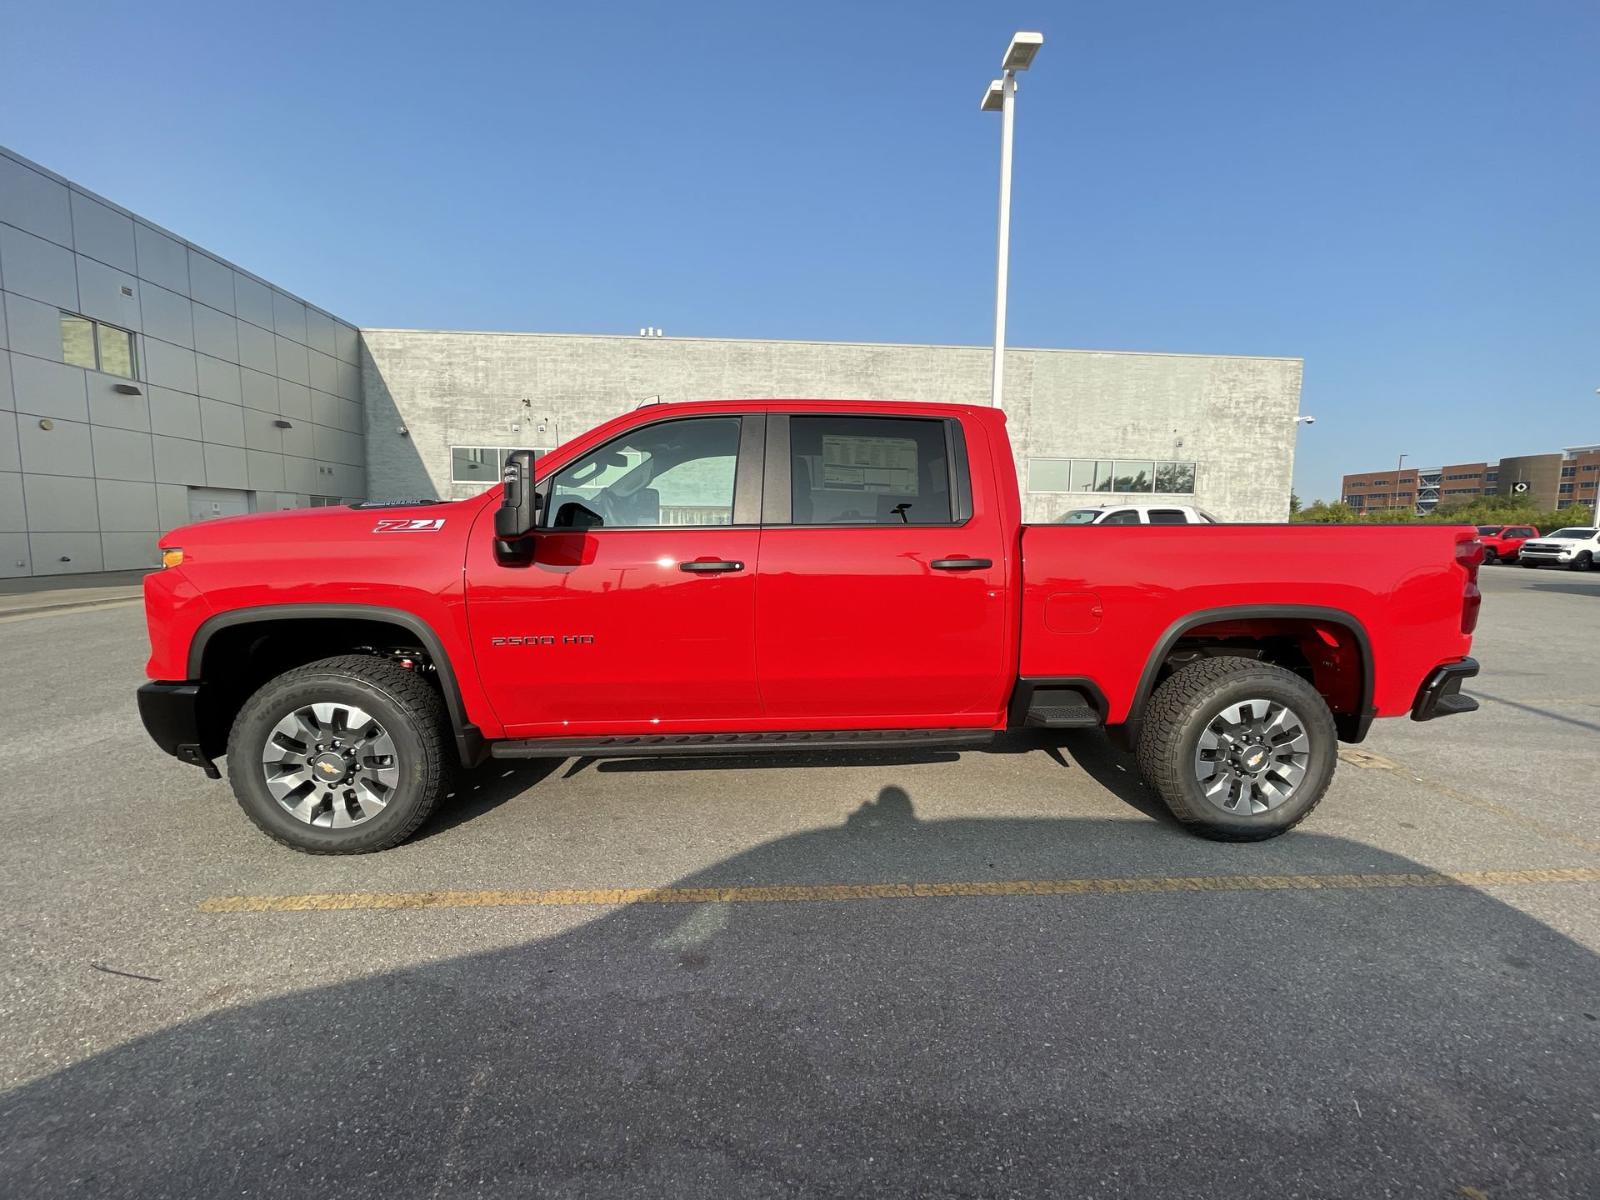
pixel 1175 478
pixel 1168 516
pixel 868 471
pixel 1127 516
pixel 669 473
pixel 1135 476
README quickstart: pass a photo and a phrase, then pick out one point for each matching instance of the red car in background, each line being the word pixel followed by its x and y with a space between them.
pixel 1501 543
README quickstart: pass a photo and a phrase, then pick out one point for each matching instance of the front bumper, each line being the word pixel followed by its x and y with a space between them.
pixel 172 715
pixel 1547 556
pixel 1440 695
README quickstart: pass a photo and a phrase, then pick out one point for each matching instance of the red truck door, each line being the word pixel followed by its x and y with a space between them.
pixel 636 613
pixel 881 599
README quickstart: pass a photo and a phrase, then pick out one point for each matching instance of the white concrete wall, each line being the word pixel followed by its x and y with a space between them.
pixel 1234 417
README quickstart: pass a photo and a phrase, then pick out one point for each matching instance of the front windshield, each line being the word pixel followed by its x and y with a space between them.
pixel 1079 516
pixel 1576 533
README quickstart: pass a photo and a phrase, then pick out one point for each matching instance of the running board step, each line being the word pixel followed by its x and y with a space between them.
pixel 654 745
pixel 1061 708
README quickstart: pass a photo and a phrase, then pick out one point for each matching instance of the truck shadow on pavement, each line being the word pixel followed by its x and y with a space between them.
pixel 1262 1040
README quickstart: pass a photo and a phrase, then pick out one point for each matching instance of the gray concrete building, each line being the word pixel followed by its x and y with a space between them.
pixel 1088 427
pixel 146 383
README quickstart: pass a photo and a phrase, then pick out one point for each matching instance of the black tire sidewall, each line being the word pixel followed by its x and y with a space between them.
pixel 1304 702
pixel 275 701
pixel 1490 557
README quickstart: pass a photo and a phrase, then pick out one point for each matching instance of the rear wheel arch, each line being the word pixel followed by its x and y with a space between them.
pixel 1216 630
pixel 272 639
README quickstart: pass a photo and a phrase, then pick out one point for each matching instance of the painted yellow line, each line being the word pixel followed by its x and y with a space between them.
pixel 841 892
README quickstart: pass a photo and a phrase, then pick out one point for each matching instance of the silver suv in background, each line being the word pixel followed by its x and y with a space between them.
pixel 1577 547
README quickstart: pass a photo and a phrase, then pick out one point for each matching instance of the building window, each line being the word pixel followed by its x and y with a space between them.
pixel 1111 475
pixel 97 346
pixel 1568 472
pixel 1566 489
pixel 1175 478
pixel 326 501
pixel 1050 475
pixel 481 464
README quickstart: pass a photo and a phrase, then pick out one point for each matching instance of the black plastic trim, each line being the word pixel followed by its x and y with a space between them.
pixel 1022 696
pixel 1440 694
pixel 960 473
pixel 469 739
pixel 1351 727
pixel 657 745
pixel 749 469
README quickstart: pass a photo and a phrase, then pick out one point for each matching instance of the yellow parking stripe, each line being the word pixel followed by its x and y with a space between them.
pixel 840 892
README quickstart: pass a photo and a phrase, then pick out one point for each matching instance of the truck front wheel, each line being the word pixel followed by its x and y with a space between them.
pixel 1238 750
pixel 342 756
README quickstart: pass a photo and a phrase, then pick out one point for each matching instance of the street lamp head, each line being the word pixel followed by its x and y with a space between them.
pixel 1305 420
pixel 994 97
pixel 1019 55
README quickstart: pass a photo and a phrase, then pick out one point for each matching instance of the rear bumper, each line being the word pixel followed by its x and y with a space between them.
pixel 1440 695
pixel 171 713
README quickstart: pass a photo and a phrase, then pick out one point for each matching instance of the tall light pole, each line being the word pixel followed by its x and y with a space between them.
pixel 1001 97
pixel 1397 464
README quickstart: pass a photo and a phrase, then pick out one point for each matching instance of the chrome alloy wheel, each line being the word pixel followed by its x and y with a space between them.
pixel 330 765
pixel 1252 756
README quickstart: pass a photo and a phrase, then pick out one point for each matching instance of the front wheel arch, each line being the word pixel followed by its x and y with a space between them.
pixel 311 632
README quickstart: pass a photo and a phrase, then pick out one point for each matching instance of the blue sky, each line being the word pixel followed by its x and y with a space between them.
pixel 1406 195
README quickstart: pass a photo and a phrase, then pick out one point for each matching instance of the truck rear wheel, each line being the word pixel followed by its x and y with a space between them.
pixel 342 756
pixel 1238 750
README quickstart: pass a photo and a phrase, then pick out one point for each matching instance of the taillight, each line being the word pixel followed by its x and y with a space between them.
pixel 1469 557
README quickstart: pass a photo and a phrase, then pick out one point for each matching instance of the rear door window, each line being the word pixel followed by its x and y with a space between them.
pixel 1168 516
pixel 1127 516
pixel 869 471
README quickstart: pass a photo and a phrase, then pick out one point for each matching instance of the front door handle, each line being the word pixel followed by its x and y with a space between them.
pixel 961 564
pixel 703 566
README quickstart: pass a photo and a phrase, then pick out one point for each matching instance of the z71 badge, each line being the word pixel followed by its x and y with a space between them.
pixel 409 525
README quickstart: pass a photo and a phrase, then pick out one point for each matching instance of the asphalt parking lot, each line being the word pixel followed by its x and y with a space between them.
pixel 988 974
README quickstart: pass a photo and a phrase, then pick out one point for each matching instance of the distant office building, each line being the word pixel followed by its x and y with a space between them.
pixel 146 383
pixel 1545 481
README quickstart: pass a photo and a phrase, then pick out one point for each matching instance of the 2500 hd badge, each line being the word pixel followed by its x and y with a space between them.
pixel 545 639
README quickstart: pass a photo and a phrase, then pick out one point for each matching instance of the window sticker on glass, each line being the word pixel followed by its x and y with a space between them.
pixel 869 464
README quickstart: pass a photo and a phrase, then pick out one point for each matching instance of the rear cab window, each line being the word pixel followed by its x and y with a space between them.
pixel 857 470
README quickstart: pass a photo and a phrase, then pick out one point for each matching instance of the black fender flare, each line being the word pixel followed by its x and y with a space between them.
pixel 1352 727
pixel 469 739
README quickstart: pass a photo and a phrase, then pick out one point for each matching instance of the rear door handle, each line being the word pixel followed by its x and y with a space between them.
pixel 961 564
pixel 702 566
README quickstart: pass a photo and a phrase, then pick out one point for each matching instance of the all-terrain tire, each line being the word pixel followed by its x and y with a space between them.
pixel 409 709
pixel 1188 702
pixel 1490 556
pixel 1584 561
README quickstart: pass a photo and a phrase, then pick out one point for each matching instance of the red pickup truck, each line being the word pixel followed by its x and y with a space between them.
pixel 1502 543
pixel 736 576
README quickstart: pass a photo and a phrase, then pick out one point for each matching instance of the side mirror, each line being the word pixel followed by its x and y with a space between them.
pixel 519 503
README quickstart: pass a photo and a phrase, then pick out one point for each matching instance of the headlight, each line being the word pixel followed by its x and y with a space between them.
pixel 172 558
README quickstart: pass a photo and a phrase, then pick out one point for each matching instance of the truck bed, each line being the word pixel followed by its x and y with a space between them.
pixel 1104 603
